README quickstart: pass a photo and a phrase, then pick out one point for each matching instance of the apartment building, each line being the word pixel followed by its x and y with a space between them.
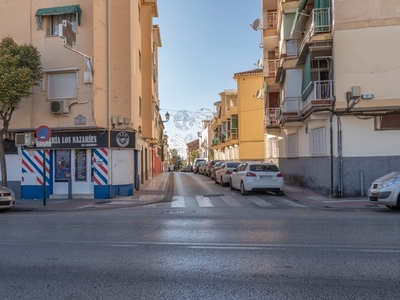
pixel 332 102
pixel 238 124
pixel 98 99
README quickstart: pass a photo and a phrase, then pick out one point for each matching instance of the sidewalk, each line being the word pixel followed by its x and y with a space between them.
pixel 309 197
pixel 153 190
pixel 156 190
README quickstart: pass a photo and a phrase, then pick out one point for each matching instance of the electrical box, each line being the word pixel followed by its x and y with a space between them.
pixel 87 77
pixel 355 91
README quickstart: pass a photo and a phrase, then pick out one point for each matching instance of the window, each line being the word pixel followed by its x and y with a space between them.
pixel 140 60
pixel 56 15
pixel 140 106
pixel 387 122
pixel 63 85
pixel 317 139
pixel 291 142
pixel 57 20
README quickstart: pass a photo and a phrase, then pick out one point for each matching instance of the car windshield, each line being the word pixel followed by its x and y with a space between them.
pixel 264 168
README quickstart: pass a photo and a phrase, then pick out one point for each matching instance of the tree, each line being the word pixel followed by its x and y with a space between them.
pixel 194 154
pixel 20 70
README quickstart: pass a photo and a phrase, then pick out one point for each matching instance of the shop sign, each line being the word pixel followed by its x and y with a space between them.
pixel 83 139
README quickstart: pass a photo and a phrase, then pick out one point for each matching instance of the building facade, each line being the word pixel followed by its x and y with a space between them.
pixel 89 130
pixel 238 122
pixel 331 103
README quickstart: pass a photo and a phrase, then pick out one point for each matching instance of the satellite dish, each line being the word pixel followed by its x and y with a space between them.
pixel 256 24
pixel 259 94
pixel 260 62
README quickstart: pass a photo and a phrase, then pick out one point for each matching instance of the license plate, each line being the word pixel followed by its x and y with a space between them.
pixel 265 176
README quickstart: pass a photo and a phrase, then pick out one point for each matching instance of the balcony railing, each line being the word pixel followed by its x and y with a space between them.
pixel 272 117
pixel 270 67
pixel 234 133
pixel 270 20
pixel 321 94
pixel 291 105
pixel 319 21
pixel 291 47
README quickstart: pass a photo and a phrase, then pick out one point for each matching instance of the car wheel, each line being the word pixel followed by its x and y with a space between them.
pixel 242 189
pixel 215 180
pixel 222 183
pixel 392 207
pixel 280 193
pixel 230 185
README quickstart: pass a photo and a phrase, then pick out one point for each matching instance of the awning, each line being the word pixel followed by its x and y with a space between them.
pixel 301 7
pixel 59 10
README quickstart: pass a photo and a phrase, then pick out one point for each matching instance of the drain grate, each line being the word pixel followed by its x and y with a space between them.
pixel 214 195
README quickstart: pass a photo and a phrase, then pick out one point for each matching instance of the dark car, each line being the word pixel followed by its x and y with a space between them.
pixel 209 166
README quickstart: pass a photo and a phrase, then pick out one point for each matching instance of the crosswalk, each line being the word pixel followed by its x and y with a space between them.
pixel 205 201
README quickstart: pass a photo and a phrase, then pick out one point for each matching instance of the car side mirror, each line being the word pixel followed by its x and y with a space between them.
pixel 234 170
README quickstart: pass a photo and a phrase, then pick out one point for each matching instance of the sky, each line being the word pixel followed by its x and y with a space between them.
pixel 204 43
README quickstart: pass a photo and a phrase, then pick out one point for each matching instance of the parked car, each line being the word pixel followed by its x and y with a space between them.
pixel 223 174
pixel 7 198
pixel 202 168
pixel 257 176
pixel 196 167
pixel 386 190
pixel 214 168
pixel 209 167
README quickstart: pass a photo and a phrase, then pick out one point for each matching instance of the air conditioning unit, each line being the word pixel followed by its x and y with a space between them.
pixel 24 139
pixel 277 113
pixel 58 107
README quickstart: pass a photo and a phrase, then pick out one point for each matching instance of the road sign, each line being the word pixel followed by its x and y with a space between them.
pixel 43 133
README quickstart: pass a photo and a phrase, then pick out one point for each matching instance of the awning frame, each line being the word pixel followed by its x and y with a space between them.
pixel 59 10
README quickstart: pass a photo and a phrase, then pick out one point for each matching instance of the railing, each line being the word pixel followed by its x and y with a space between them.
pixel 234 133
pixel 272 117
pixel 271 67
pixel 323 90
pixel 291 47
pixel 319 21
pixel 270 20
pixel 291 105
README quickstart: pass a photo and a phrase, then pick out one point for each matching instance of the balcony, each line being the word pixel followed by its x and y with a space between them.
pixel 270 20
pixel 270 67
pixel 291 107
pixel 290 48
pixel 272 117
pixel 321 95
pixel 320 21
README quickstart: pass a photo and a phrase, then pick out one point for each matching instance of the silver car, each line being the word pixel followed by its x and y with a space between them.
pixel 386 191
pixel 7 198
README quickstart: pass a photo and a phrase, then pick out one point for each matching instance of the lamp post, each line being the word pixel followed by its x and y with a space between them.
pixel 166 117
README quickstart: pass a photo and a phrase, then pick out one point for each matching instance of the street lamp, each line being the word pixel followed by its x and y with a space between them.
pixel 166 117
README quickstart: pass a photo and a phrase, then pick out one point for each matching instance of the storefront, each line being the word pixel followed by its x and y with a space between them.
pixel 80 164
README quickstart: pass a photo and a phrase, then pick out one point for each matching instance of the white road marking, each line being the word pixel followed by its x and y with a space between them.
pixel 230 201
pixel 178 201
pixel 204 201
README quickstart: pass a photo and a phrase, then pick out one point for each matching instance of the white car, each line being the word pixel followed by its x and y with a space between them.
pixel 386 190
pixel 7 198
pixel 223 174
pixel 257 176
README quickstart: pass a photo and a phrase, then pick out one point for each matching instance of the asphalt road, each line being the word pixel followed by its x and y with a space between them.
pixel 201 245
